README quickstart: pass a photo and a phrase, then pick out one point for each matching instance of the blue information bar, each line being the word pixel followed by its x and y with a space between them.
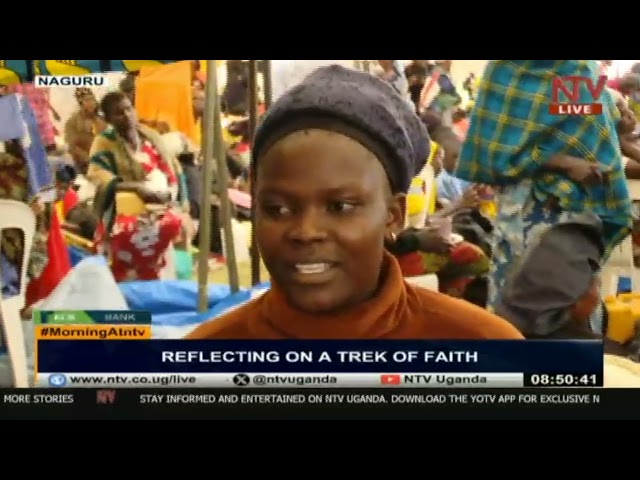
pixel 194 356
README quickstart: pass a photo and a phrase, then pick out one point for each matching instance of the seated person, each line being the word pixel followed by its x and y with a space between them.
pixel 630 147
pixel 435 249
pixel 67 198
pixel 555 288
pixel 428 246
pixel 130 166
pixel 332 161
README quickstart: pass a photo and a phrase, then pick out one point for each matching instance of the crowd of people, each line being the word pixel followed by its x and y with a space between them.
pixel 344 211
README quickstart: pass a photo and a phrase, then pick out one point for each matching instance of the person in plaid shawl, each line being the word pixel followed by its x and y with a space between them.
pixel 545 168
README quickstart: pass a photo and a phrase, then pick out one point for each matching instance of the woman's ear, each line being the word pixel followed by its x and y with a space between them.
pixel 396 211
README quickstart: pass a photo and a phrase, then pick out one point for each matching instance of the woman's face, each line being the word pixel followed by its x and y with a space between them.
pixel 323 210
pixel 123 116
pixel 89 104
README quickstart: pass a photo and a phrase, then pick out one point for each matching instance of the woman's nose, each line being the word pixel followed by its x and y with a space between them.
pixel 308 226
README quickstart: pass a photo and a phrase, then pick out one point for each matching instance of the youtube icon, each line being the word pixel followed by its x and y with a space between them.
pixel 390 379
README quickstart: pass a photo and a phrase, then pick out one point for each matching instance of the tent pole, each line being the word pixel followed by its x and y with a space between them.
pixel 211 91
pixel 253 123
pixel 212 136
pixel 223 187
pixel 255 252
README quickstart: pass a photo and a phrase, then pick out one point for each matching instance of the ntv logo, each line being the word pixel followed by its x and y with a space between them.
pixel 569 86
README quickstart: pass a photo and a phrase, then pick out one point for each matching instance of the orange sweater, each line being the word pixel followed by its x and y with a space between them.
pixel 398 311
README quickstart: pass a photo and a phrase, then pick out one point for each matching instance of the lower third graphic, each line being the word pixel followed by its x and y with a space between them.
pixel 57 380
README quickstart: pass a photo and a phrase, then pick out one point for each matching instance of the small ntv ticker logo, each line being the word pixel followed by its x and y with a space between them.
pixel 105 397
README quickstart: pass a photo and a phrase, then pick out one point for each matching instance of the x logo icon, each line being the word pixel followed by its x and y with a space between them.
pixel 241 379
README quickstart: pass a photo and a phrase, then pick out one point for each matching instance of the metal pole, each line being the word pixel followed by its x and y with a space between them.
pixel 211 92
pixel 253 123
pixel 223 193
pixel 268 94
pixel 255 252
pixel 212 134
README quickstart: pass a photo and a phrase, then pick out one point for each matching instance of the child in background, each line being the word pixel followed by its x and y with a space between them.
pixel 66 194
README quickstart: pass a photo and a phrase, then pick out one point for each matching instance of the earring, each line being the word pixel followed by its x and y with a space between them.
pixel 394 237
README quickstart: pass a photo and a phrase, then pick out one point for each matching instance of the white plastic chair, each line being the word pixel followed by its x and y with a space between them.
pixel 17 215
pixel 620 262
pixel 429 281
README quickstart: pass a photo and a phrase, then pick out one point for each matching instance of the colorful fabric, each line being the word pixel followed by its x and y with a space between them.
pixel 455 270
pixel 40 173
pixel 38 99
pixel 57 266
pixel 439 93
pixel 110 155
pixel 136 245
pixel 12 125
pixel 520 222
pixel 513 134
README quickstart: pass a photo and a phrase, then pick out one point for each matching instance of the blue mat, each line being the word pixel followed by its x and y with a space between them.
pixel 173 303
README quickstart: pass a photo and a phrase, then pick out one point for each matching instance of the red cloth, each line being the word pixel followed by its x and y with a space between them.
pixel 57 268
pixel 156 161
pixel 69 201
pixel 614 84
pixel 137 249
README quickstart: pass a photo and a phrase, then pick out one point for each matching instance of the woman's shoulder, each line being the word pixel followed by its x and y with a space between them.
pixel 444 316
pixel 106 136
pixel 103 144
pixel 233 325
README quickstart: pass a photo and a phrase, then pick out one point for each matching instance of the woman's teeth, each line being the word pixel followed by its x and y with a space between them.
pixel 311 268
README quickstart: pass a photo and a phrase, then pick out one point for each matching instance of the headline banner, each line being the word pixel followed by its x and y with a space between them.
pixel 275 356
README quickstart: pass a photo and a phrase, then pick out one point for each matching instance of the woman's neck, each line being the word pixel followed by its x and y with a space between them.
pixel 374 317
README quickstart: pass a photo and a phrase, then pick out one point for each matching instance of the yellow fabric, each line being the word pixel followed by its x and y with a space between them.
pixel 163 93
pixel 489 209
pixel 60 210
pixel 417 202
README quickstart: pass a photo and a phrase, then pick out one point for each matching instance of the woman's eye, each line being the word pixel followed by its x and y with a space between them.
pixel 341 207
pixel 276 210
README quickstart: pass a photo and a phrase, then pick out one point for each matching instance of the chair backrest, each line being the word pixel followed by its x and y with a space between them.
pixel 17 215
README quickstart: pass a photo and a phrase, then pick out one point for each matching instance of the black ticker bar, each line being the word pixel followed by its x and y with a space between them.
pixel 374 404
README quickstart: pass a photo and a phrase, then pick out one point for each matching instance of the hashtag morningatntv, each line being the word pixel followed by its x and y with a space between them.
pixel 94 332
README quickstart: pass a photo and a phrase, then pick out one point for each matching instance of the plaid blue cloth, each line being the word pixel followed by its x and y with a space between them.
pixel 513 134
